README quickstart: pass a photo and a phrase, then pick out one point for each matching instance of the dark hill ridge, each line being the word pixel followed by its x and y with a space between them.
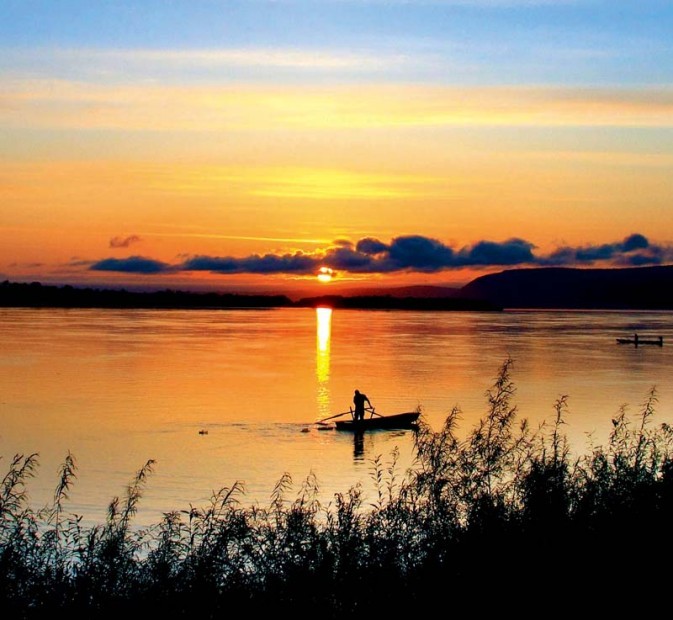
pixel 633 288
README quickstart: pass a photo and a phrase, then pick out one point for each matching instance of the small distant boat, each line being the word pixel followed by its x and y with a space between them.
pixel 637 341
pixel 405 420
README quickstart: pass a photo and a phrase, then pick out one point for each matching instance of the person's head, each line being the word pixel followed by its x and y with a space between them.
pixel 357 392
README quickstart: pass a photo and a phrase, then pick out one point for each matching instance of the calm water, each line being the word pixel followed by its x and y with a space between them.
pixel 119 387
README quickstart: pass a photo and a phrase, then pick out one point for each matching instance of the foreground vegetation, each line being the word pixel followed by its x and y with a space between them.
pixel 504 519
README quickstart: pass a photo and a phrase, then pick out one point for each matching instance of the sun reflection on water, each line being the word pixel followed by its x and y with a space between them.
pixel 322 359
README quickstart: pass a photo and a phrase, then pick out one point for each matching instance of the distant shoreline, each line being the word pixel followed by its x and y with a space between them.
pixel 629 288
pixel 37 295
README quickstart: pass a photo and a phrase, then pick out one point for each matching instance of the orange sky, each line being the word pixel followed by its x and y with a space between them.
pixel 130 152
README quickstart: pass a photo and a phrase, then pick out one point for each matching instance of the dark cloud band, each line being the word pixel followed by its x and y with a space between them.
pixel 132 264
pixel 409 253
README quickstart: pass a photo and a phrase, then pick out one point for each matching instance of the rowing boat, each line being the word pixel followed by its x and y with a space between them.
pixel 637 340
pixel 378 421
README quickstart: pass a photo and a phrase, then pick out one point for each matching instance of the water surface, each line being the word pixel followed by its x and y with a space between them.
pixel 119 387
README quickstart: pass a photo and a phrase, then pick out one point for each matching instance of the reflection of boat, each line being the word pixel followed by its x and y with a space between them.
pixel 378 421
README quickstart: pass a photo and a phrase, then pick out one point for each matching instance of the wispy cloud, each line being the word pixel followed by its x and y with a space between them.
pixel 292 240
pixel 124 242
pixel 305 58
pixel 221 65
pixel 316 183
pixel 72 105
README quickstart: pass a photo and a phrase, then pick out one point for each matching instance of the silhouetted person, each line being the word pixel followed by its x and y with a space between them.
pixel 359 400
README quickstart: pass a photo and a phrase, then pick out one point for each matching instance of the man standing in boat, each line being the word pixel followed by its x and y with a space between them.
pixel 359 400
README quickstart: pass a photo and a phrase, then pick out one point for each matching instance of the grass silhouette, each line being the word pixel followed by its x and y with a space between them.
pixel 504 520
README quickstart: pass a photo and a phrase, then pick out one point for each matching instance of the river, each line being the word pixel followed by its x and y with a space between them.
pixel 219 397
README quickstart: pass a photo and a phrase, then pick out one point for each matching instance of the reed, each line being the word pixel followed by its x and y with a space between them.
pixel 503 516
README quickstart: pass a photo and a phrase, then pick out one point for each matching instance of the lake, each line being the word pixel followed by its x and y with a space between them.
pixel 217 397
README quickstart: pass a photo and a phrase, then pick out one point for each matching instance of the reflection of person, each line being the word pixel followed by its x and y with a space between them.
pixel 359 400
pixel 358 445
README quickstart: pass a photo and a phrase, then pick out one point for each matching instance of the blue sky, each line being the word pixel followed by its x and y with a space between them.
pixel 589 42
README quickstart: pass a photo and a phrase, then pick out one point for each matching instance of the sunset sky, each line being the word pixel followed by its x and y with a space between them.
pixel 228 144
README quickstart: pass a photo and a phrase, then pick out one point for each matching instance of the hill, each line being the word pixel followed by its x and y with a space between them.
pixel 637 288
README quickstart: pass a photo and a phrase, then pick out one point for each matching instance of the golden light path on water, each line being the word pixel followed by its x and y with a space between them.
pixel 322 359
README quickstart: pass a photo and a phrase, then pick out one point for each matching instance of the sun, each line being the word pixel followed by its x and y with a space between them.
pixel 325 274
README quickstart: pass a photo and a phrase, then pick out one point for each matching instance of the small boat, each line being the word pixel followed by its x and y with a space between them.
pixel 637 340
pixel 378 421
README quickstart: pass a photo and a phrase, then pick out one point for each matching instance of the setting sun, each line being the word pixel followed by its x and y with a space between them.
pixel 325 274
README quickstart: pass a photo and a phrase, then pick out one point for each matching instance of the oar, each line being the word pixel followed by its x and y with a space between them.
pixel 372 409
pixel 322 422
pixel 332 417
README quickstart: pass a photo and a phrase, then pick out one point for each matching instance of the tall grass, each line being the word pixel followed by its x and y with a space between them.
pixel 503 519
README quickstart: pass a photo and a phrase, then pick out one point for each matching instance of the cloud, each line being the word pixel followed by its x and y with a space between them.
pixel 419 253
pixel 424 254
pixel 369 245
pixel 124 242
pixel 278 58
pixel 64 104
pixel 633 250
pixel 26 265
pixel 298 262
pixel 345 258
pixel 408 254
pixel 635 242
pixel 512 252
pixel 132 264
